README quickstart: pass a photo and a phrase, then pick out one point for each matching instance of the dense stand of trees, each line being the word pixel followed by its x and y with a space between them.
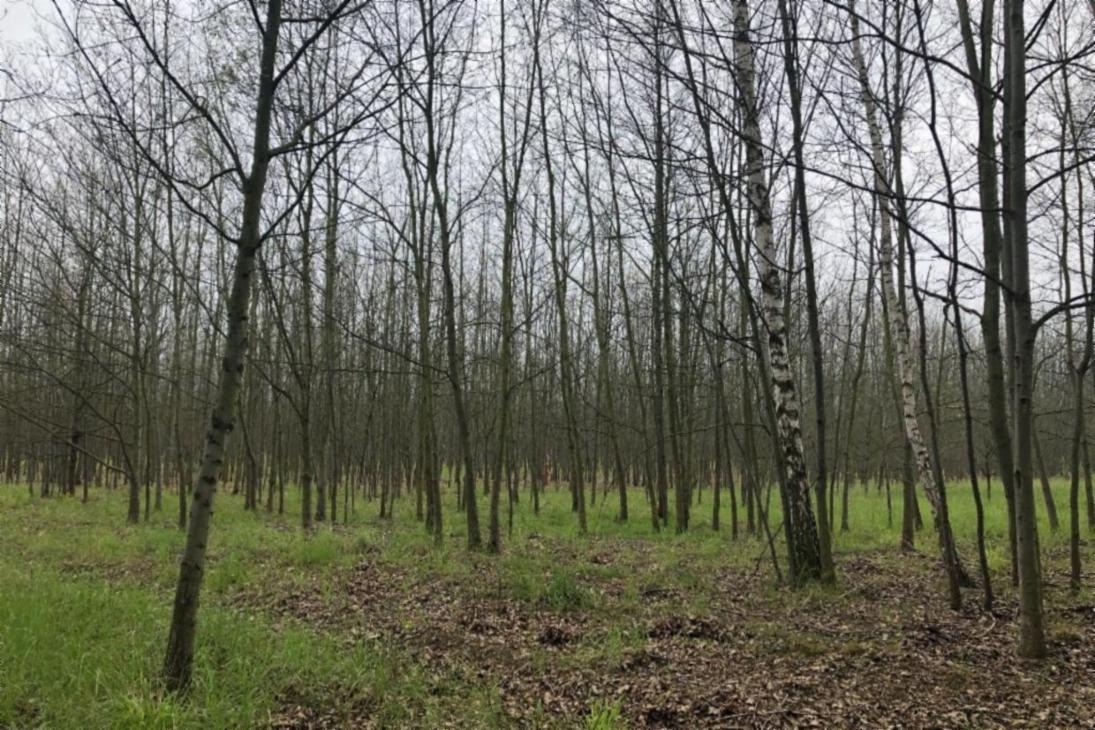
pixel 418 249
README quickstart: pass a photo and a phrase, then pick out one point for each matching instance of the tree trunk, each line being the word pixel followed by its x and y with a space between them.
pixel 899 326
pixel 1032 641
pixel 179 658
pixel 805 549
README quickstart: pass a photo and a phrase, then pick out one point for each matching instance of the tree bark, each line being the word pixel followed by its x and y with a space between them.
pixel 179 660
pixel 807 563
pixel 899 326
pixel 1032 641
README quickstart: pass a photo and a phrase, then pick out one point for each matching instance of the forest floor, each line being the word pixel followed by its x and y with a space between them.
pixel 367 625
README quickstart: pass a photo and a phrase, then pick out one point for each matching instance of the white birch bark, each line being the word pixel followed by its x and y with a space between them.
pixel 805 551
pixel 898 322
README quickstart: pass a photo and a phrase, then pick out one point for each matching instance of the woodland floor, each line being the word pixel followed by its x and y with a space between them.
pixel 368 626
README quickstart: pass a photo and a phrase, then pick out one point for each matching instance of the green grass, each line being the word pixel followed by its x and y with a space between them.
pixel 76 653
pixel 84 607
pixel 85 600
pixel 604 716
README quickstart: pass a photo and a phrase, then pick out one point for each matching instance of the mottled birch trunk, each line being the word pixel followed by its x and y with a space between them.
pixel 899 326
pixel 805 548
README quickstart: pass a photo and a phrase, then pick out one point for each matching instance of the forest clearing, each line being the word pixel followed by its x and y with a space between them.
pixel 367 625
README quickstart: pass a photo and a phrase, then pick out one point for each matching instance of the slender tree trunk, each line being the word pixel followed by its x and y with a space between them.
pixel 179 659
pixel 997 268
pixel 560 273
pixel 804 547
pixel 899 326
pixel 1043 477
pixel 453 343
pixel 790 59
pixel 1032 641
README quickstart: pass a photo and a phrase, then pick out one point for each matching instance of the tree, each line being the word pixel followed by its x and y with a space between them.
pixel 1032 640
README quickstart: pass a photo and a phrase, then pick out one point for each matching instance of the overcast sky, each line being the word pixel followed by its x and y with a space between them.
pixel 18 19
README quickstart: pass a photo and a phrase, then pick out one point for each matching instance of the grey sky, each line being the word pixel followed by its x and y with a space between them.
pixel 18 19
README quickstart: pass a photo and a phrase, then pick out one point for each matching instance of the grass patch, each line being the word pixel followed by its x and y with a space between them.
pixel 85 601
pixel 83 626
pixel 604 715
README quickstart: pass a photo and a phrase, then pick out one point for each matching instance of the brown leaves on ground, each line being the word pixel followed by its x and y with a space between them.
pixel 880 650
